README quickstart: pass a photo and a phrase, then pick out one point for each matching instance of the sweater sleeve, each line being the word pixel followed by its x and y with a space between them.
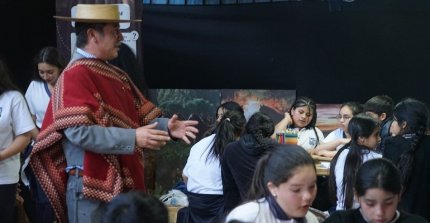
pixel 230 189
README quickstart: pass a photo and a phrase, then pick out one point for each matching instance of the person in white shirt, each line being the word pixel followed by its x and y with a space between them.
pixel 202 172
pixel 378 189
pixel 340 136
pixel 48 65
pixel 302 117
pixel 364 131
pixel 15 132
pixel 282 190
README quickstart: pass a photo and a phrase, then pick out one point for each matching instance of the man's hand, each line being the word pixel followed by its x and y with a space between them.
pixel 150 138
pixel 182 129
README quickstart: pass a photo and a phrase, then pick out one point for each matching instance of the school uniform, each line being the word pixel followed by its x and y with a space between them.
pixel 354 216
pixel 339 170
pixel 416 196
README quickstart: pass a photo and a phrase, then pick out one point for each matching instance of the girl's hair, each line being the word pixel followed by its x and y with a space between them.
pixel 51 56
pixel 227 106
pixel 261 127
pixel 6 83
pixel 360 125
pixel 380 104
pixel 302 101
pixel 378 173
pixel 278 166
pixel 312 106
pixel 135 206
pixel 415 114
pixel 228 130
pixel 355 107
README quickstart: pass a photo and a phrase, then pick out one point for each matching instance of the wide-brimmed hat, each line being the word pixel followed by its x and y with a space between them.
pixel 96 13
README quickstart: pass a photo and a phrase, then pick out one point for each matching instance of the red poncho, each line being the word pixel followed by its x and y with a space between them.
pixel 91 92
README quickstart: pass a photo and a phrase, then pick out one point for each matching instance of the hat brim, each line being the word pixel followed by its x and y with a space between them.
pixel 64 18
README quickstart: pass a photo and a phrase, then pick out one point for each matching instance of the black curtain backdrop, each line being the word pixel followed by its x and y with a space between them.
pixel 331 51
pixel 26 27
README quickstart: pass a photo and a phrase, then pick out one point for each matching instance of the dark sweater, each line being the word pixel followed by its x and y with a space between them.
pixel 416 197
pixel 354 216
pixel 384 133
pixel 237 169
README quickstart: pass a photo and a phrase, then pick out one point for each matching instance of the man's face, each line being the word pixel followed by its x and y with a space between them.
pixel 108 42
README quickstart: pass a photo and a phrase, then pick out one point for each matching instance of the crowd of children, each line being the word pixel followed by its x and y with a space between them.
pixel 239 173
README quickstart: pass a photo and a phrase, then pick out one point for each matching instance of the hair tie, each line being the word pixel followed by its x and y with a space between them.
pixel 227 119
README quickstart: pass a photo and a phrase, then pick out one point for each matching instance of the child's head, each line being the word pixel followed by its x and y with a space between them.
pixel 229 129
pixel 364 131
pixel 135 206
pixel 347 111
pixel 48 65
pixel 225 107
pixel 304 112
pixel 288 175
pixel 379 107
pixel 232 123
pixel 260 126
pixel 410 116
pixel 378 187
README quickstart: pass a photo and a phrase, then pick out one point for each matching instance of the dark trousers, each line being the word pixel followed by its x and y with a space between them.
pixel 7 204
pixel 204 208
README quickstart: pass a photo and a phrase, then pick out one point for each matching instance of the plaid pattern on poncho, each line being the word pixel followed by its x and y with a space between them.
pixel 90 92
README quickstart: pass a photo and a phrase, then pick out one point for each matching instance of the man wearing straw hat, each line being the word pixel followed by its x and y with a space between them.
pixel 97 124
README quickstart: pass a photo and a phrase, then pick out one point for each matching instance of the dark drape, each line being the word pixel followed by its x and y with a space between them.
pixel 332 51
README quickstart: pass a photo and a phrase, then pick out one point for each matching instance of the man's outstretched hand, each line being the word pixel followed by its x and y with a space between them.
pixel 184 130
pixel 151 138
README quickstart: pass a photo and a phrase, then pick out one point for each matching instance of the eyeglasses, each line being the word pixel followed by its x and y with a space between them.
pixel 344 117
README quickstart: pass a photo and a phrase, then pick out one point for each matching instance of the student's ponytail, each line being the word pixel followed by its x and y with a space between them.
pixel 415 114
pixel 228 130
pixel 360 125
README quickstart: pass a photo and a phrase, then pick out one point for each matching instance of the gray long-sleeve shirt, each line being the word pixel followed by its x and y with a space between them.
pixel 99 139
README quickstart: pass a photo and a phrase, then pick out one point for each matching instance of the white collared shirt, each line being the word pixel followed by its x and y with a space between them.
pixel 85 53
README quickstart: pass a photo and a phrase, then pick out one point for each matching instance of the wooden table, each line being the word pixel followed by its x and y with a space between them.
pixel 321 170
pixel 321 158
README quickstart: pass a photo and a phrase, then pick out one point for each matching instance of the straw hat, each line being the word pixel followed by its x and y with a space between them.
pixel 96 13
